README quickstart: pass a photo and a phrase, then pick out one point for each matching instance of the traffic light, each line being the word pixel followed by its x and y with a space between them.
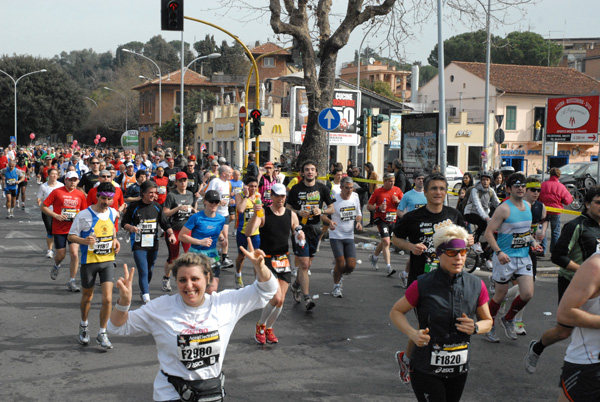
pixel 376 124
pixel 242 131
pixel 361 123
pixel 171 12
pixel 256 125
pixel 176 129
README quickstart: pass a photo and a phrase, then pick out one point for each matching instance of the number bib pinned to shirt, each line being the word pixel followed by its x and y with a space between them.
pixel 390 216
pixel 449 359
pixel 280 263
pixel 69 213
pixel 103 245
pixel 199 350
pixel 348 213
pixel 521 240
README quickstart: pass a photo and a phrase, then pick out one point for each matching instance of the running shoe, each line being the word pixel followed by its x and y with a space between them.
pixel 403 280
pixel 239 282
pixel 227 263
pixel 489 265
pixel 72 286
pixel 337 291
pixel 54 272
pixel 296 292
pixel 166 284
pixel 491 336
pixel 531 359
pixel 390 271
pixel 50 254
pixel 145 298
pixel 18 203
pixel 271 338
pixel 477 248
pixel 260 336
pixel 373 259
pixel 509 328
pixel 403 372
pixel 520 328
pixel 309 304
pixel 23 207
pixel 102 340
pixel 84 335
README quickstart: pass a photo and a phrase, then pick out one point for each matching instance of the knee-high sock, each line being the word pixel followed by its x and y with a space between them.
pixel 515 307
pixel 494 307
pixel 266 313
pixel 273 317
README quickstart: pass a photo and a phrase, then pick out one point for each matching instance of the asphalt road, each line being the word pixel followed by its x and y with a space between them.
pixel 343 350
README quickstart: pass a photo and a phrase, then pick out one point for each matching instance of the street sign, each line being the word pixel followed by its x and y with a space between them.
pixel 573 115
pixel 499 136
pixel 13 140
pixel 242 115
pixel 159 142
pixel 572 137
pixel 499 118
pixel 329 119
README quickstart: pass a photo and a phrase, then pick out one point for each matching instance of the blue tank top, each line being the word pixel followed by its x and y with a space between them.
pixel 514 234
pixel 12 178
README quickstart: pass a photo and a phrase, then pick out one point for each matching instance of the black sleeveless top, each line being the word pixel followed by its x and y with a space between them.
pixel 274 235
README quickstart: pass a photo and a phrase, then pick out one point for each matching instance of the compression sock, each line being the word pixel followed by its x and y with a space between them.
pixel 538 347
pixel 494 307
pixel 266 312
pixel 273 317
pixel 516 305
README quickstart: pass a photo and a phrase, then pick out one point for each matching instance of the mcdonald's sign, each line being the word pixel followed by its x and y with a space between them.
pixel 276 129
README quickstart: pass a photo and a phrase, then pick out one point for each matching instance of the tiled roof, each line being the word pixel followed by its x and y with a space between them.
pixel 268 48
pixel 534 79
pixel 174 78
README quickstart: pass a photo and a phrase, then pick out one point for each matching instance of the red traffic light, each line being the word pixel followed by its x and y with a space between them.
pixel 255 114
pixel 173 5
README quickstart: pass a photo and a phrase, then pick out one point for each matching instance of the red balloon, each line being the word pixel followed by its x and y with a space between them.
pixel 96 141
pixel 74 142
pixel 98 136
pixel 32 136
pixel 103 139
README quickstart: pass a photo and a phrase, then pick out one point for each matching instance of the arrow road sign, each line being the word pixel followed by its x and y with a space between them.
pixel 329 119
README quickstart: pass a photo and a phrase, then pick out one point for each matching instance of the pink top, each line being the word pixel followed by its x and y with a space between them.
pixel 554 194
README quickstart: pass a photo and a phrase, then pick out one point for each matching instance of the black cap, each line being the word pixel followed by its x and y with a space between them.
pixel 212 196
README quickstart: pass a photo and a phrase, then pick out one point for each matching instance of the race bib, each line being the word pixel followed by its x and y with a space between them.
pixel 267 195
pixel 184 212
pixel 147 240
pixel 237 190
pixel 69 213
pixel 162 190
pixel 191 183
pixel 199 350
pixel 103 245
pixel 348 213
pixel 281 263
pixel 172 177
pixel 451 356
pixel 390 216
pixel 521 240
pixel 248 214
pixel 430 265
pixel 11 182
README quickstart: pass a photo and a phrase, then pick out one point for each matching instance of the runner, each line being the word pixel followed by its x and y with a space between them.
pixel 89 179
pixel 133 192
pixel 384 202
pixel 203 230
pixel 578 241
pixel 22 166
pixel 128 178
pixel 141 220
pixel 480 200
pixel 306 199
pixel 346 214
pixel 265 183
pixel 448 302
pixel 11 178
pixel 580 308
pixel 512 221
pixel 275 228
pixel 66 203
pixel 43 193
pixel 178 207
pixel 118 199
pixel 222 185
pixel 171 171
pixel 245 211
pixel 94 230
pixel 162 182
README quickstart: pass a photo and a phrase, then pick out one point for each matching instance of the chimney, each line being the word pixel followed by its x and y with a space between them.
pixel 414 84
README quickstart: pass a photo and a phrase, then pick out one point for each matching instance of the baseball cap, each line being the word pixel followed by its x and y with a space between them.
pixel 71 175
pixel 212 196
pixel 269 164
pixel 192 157
pixel 278 189
pixel 388 175
pixel 222 160
pixel 129 164
pixel 180 175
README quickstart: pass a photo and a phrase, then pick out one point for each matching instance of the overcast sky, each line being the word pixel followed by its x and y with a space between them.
pixel 47 27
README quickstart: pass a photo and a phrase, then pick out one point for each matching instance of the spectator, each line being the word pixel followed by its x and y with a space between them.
pixel 498 185
pixel 554 194
pixel 465 185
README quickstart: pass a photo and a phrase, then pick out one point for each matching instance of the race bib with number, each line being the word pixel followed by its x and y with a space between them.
pixel 172 177
pixel 521 240
pixel 248 214
pixel 162 190
pixel 11 182
pixel 348 213
pixel 281 263
pixel 184 212
pixel 199 350
pixel 390 216
pixel 69 213
pixel 191 183
pixel 103 245
pixel 449 357
pixel 267 195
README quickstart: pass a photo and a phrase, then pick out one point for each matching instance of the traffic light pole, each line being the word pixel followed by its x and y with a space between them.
pixel 369 132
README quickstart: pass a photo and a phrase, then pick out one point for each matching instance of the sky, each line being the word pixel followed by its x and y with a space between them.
pixel 45 28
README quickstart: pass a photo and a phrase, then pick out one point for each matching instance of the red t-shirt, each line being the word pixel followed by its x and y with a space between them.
pixel 377 199
pixel 65 203
pixel 118 199
pixel 162 183
pixel 44 173
pixel 24 170
pixel 3 162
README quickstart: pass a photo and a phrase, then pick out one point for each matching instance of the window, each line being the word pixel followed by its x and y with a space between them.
pixel 474 159
pixel 143 102
pixel 511 117
pixel 269 62
pixel 452 155
pixel 150 103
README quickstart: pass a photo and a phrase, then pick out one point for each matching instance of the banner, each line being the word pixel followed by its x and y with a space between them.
pixel 420 141
pixel 395 129
pixel 573 115
pixel 345 101
pixel 130 139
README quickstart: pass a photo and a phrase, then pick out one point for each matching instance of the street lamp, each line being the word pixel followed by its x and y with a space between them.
pixel 159 84
pixel 16 82
pixel 210 56
pixel 124 97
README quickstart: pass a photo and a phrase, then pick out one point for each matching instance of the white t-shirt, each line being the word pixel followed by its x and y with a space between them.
pixel 45 190
pixel 344 216
pixel 224 189
pixel 192 342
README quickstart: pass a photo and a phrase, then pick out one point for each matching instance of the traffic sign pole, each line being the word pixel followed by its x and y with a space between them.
pixel 369 129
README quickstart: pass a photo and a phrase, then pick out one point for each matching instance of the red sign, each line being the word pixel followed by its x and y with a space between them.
pixel 242 114
pixel 573 115
pixel 159 142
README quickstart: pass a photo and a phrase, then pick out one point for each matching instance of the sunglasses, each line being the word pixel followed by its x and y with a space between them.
pixel 518 185
pixel 454 253
pixel 535 190
pixel 95 163
pixel 106 177
pixel 213 202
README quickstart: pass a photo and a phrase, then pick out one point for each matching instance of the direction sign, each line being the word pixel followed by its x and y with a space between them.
pixel 329 119
pixel 572 137
pixel 242 115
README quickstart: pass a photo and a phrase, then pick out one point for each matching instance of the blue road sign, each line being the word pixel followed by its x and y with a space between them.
pixel 329 119
pixel 13 140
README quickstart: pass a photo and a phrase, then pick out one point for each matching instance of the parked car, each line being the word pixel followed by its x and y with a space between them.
pixel 454 176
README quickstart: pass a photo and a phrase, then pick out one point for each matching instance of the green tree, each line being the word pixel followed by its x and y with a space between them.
pixel 86 67
pixel 426 73
pixel 205 47
pixel 470 46
pixel 48 103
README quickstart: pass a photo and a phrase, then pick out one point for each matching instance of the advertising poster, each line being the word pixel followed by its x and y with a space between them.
pixel 395 129
pixel 573 115
pixel 346 102
pixel 420 142
pixel 130 139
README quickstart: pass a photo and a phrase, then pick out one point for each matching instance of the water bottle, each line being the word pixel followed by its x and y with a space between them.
pixel 360 245
pixel 138 234
pixel 300 243
pixel 370 246
pixel 384 204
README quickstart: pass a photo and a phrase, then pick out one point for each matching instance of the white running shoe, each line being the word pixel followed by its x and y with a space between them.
pixel 50 254
pixel 337 291
pixel 477 248
pixel 373 259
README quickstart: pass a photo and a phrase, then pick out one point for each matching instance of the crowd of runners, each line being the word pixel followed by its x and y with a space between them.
pixel 86 196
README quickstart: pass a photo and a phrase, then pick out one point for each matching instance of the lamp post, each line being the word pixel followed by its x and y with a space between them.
pixel 15 82
pixel 159 83
pixel 124 97
pixel 181 129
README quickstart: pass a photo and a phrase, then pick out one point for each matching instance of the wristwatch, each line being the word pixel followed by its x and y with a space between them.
pixel 476 329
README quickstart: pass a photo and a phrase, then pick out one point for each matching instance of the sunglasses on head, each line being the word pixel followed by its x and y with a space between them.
pixel 518 185
pixel 454 253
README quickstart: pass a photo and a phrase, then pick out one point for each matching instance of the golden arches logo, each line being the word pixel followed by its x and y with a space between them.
pixel 276 129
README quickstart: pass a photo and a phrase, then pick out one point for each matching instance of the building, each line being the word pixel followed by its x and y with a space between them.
pixel 397 79
pixel 582 54
pixel 518 93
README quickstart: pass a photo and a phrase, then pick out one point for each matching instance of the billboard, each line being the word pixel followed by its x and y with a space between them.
pixel 345 101
pixel 395 129
pixel 420 142
pixel 130 139
pixel 573 115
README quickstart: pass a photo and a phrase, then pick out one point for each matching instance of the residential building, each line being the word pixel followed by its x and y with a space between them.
pixel 397 79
